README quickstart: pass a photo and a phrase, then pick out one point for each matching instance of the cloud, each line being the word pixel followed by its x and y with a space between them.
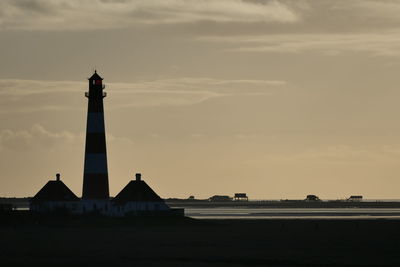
pixel 16 87
pixel 38 137
pixel 105 14
pixel 371 9
pixel 379 44
pixel 30 95
pixel 334 154
pixel 184 91
pixel 344 16
pixel 327 27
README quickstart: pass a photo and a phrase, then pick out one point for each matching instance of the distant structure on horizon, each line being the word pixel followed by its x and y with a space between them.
pixel 312 198
pixel 355 199
pixel 241 197
pixel 220 198
pixel 135 199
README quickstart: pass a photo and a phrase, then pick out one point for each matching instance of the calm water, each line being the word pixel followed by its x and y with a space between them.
pixel 264 213
pixel 276 213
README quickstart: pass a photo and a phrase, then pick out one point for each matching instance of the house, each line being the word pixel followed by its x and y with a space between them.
pixel 138 198
pixel 241 197
pixel 55 196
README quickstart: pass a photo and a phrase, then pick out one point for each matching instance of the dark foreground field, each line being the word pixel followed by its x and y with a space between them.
pixel 185 242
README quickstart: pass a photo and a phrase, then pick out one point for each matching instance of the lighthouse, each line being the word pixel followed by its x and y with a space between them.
pixel 136 198
pixel 95 174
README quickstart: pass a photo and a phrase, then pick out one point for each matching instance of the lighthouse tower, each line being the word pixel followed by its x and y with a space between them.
pixel 95 176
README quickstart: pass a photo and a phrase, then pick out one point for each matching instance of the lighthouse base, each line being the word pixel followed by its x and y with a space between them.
pixel 95 206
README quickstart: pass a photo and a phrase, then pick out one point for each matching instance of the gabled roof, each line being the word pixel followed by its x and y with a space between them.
pixel 137 191
pixel 95 76
pixel 54 191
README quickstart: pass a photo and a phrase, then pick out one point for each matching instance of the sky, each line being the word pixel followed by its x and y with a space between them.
pixel 274 98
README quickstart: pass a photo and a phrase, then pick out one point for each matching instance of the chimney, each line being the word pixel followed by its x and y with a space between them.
pixel 138 177
pixel 57 177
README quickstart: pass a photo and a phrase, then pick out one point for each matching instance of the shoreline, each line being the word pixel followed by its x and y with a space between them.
pixel 273 204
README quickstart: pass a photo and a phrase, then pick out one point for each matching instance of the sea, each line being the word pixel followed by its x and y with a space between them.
pixel 296 213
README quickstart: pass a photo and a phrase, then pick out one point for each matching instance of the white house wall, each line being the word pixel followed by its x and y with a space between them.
pixel 50 206
pixel 103 207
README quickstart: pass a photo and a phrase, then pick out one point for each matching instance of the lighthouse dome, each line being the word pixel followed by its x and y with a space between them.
pixel 95 76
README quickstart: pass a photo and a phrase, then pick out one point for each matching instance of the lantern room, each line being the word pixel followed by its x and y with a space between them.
pixel 95 79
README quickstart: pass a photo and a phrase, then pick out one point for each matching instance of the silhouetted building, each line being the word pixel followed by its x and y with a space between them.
pixel 137 197
pixel 55 196
pixel 355 198
pixel 95 177
pixel 240 197
pixel 218 198
pixel 312 198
